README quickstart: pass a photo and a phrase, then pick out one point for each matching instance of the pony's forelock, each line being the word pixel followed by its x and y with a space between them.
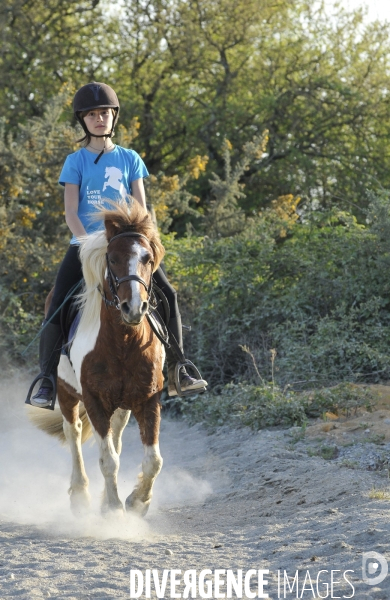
pixel 130 216
pixel 119 218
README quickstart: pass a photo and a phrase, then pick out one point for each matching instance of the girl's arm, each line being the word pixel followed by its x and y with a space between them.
pixel 71 197
pixel 138 191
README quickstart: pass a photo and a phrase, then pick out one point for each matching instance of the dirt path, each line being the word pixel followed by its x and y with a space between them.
pixel 229 500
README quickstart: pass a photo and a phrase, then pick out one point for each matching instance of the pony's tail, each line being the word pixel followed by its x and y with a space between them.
pixel 51 421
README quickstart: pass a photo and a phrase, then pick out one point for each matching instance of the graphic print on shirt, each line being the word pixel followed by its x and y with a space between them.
pixel 93 196
pixel 114 176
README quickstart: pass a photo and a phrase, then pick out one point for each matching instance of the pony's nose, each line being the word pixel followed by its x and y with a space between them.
pixel 128 310
pixel 125 308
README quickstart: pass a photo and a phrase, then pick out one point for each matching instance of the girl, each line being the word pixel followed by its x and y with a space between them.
pixel 99 170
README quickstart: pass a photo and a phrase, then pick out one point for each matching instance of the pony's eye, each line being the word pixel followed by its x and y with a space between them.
pixel 112 261
pixel 147 259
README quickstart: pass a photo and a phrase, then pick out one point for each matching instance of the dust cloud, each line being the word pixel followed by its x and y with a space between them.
pixel 35 474
pixel 231 499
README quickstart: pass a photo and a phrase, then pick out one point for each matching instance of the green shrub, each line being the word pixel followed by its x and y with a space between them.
pixel 268 406
pixel 343 399
pixel 320 297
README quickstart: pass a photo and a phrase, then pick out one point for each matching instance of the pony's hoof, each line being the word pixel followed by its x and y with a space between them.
pixel 113 515
pixel 135 505
pixel 107 508
pixel 112 510
pixel 80 503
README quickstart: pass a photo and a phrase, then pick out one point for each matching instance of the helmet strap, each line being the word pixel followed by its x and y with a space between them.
pixel 102 152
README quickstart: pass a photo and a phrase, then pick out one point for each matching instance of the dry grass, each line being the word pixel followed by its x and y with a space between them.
pixel 377 494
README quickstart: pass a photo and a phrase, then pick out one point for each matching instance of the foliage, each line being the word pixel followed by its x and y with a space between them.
pixel 245 404
pixel 196 73
pixel 325 452
pixel 170 197
pixel 319 297
pixel 33 232
pixel 223 215
pixel 31 204
pixel 45 44
pixel 379 494
pixel 201 72
pixel 343 399
pixel 266 405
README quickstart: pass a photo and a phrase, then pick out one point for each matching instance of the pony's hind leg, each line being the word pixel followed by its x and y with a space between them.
pixel 148 417
pixel 72 426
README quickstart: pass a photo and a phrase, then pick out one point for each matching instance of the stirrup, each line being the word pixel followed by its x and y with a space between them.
pixel 187 363
pixel 53 382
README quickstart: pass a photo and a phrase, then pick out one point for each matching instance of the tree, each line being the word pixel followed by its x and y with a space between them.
pixel 44 44
pixel 197 72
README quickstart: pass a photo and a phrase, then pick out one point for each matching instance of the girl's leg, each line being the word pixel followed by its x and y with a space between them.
pixel 50 345
pixel 175 319
pixel 69 274
pixel 188 384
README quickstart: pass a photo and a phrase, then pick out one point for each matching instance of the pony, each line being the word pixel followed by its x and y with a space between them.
pixel 115 360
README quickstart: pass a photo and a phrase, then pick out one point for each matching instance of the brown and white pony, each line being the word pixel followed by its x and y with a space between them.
pixel 116 361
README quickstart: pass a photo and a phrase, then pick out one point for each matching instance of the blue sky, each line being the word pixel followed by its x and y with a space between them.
pixel 377 9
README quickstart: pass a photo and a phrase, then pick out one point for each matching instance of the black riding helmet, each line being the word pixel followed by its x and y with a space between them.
pixel 95 95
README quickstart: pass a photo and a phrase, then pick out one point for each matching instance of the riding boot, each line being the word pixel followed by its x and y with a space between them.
pixel 50 345
pixel 189 385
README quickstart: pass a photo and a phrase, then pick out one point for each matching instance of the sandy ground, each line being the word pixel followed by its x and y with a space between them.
pixel 232 499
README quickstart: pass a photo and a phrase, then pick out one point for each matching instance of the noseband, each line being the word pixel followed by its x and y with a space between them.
pixel 114 282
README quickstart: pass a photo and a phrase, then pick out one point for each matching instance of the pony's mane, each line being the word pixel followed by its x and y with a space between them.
pixel 118 219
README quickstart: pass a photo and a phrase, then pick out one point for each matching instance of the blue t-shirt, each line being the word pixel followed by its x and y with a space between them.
pixel 110 178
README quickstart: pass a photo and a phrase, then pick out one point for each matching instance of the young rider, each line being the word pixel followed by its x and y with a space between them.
pixel 100 169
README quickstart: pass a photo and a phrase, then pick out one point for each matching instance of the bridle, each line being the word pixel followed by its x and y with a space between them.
pixel 114 282
pixel 157 322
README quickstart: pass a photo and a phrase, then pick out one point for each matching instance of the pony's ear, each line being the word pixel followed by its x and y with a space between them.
pixel 112 227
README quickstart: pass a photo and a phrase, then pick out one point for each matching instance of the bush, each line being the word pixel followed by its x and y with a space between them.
pixel 268 406
pixel 319 297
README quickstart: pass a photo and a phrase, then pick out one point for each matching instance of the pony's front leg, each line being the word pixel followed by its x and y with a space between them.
pixel 148 417
pixel 119 420
pixel 72 427
pixel 108 456
pixel 109 466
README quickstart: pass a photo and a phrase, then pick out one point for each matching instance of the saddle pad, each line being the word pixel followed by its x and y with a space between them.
pixel 72 332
